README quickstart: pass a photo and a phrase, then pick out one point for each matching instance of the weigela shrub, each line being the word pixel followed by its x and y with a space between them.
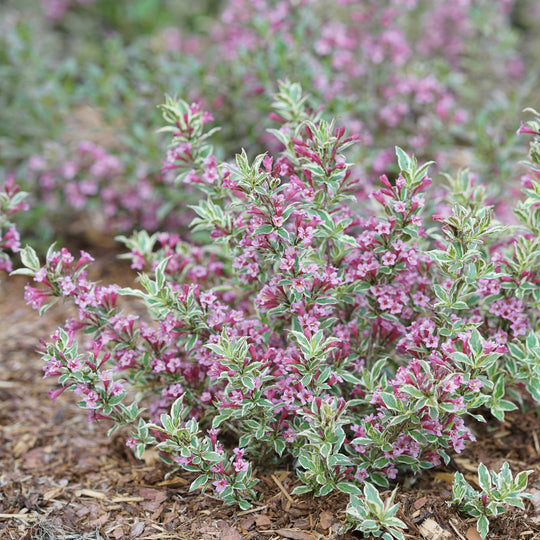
pixel 346 339
pixel 11 202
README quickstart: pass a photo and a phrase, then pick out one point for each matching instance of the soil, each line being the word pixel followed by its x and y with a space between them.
pixel 61 477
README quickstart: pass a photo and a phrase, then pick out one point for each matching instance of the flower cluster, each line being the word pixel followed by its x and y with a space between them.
pixel 94 180
pixel 55 10
pixel 394 71
pixel 305 325
pixel 11 202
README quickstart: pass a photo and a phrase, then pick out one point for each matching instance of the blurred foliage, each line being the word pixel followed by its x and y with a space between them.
pixel 73 70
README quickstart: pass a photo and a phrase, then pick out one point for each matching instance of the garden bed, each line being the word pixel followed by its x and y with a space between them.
pixel 63 478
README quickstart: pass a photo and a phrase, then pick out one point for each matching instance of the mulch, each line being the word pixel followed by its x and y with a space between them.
pixel 62 478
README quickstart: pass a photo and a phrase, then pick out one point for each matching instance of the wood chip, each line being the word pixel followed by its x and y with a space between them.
pixel 456 530
pixel 229 533
pixel 6 385
pixel 25 443
pixel 446 477
pixel 295 535
pixel 127 499
pixel 151 456
pixel 473 534
pixel 431 530
pixel 467 464
pixel 20 516
pixel 247 523
pixel 263 521
pixel 91 493
pixel 536 444
pixel 251 510
pixel 325 519
pixel 176 481
pixel 282 488
pixel 137 529
pixel 52 493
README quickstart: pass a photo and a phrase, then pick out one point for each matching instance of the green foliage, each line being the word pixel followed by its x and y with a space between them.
pixel 373 516
pixel 498 490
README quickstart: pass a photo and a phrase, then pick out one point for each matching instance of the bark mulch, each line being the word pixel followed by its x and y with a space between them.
pixel 62 478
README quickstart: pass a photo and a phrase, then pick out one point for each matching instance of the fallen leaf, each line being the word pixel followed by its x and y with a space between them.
pixel 473 534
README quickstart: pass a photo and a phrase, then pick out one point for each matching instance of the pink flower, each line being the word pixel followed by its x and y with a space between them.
pixel 383 227
pixel 116 388
pixel 91 400
pixel 400 206
pixel 131 442
pixel 220 484
pixel 278 221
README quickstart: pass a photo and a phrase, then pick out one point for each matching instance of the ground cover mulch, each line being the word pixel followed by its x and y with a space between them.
pixel 62 478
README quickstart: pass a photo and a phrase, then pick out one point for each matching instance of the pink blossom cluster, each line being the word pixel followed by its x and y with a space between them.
pixel 92 179
pixel 55 10
pixel 390 69
pixel 11 202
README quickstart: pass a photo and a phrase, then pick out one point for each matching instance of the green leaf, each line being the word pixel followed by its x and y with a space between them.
pixel 263 229
pixel 279 445
pixel 244 505
pixel 520 482
pixel 390 401
pixel 199 482
pixel 23 272
pixel 483 526
pixel 372 494
pixel 349 488
pixel 483 478
pixel 325 490
pixel 475 342
pixel 325 449
pixel 160 273
pixel 298 490
pixel 213 457
pixel 29 258
pixel 404 161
